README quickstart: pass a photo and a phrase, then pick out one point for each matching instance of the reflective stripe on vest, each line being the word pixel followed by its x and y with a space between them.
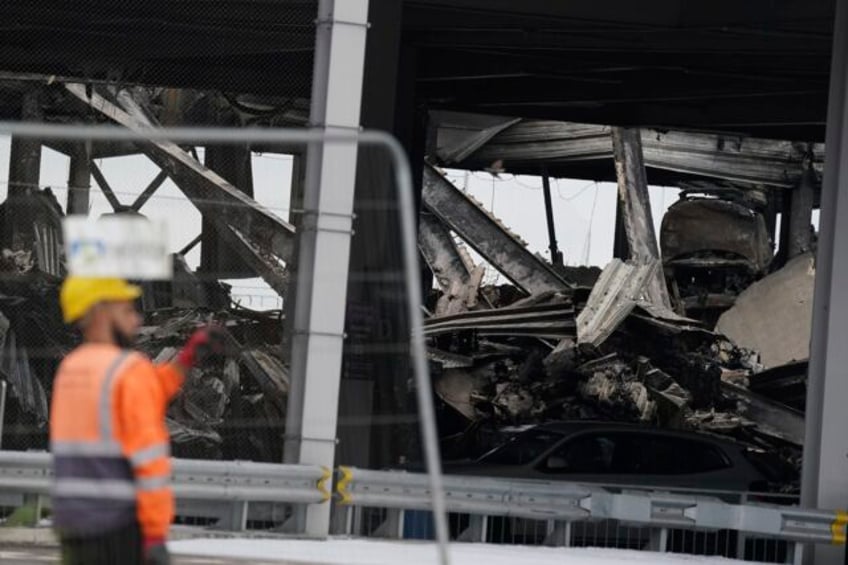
pixel 86 488
pixel 94 484
pixel 149 454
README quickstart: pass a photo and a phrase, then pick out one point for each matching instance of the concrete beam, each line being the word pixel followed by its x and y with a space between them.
pixel 479 229
pixel 528 144
pixel 440 252
pixel 259 237
pixel 207 190
pixel 636 208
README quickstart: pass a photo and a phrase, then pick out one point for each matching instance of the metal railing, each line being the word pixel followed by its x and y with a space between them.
pixel 392 504
pixel 494 510
pixel 226 493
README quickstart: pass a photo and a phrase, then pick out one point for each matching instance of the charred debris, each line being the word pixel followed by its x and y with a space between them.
pixel 232 407
pixel 684 332
pixel 669 337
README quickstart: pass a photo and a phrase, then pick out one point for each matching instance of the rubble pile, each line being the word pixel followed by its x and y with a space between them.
pixel 609 356
pixel 232 407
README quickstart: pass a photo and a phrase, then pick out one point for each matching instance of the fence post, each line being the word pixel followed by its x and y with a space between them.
pixel 37 503
pixel 3 388
pixel 740 540
pixel 341 521
pixel 392 526
pixel 478 529
pixel 659 540
pixel 559 534
pixel 792 555
pixel 238 516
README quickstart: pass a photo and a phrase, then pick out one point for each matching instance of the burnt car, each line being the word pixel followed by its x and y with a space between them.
pixel 713 249
pixel 628 454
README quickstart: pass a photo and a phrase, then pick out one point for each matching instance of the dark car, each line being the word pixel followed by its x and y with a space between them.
pixel 623 454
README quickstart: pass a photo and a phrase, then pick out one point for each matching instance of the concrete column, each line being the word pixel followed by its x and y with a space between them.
pixel 233 163
pixel 825 471
pixel 635 207
pixel 24 175
pixel 298 181
pixel 79 179
pixel 324 244
pixel 801 218
pixel 556 255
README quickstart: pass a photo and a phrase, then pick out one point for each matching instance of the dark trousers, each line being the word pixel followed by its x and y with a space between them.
pixel 117 547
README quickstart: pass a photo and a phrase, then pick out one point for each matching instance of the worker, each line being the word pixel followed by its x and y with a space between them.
pixel 112 503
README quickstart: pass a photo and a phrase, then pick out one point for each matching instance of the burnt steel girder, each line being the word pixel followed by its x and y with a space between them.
pixel 482 232
pixel 440 252
pixel 790 117
pixel 112 197
pixel 209 192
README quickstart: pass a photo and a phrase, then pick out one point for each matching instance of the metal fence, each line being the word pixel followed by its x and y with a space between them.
pixel 235 408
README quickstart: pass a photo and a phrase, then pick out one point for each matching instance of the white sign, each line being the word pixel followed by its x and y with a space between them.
pixel 121 246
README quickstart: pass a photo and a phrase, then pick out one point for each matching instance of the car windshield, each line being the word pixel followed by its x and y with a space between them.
pixel 524 448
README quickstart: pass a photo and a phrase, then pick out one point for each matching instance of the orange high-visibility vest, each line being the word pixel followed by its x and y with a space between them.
pixel 110 445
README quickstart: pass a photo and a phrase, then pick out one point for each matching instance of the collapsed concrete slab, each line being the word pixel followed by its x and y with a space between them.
pixel 774 315
pixel 485 234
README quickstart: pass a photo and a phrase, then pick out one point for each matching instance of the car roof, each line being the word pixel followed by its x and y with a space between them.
pixel 569 427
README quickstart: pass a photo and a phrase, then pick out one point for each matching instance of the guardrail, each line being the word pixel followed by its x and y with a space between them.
pixel 232 485
pixel 563 504
pixel 226 489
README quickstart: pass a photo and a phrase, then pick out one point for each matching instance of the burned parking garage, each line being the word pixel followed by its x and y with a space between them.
pixel 660 336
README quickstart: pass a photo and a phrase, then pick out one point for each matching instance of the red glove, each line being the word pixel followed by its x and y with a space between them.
pixel 156 552
pixel 204 342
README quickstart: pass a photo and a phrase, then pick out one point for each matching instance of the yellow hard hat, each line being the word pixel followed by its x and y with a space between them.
pixel 80 294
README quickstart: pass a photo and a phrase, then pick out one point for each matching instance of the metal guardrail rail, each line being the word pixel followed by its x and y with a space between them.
pixel 236 484
pixel 567 502
pixel 230 484
pixel 32 473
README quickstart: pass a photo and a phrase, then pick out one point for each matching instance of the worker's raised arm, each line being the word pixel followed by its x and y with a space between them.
pixel 141 401
pixel 202 343
pixel 171 377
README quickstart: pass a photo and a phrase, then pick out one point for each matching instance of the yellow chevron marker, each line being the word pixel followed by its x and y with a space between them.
pixel 837 528
pixel 341 487
pixel 322 483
